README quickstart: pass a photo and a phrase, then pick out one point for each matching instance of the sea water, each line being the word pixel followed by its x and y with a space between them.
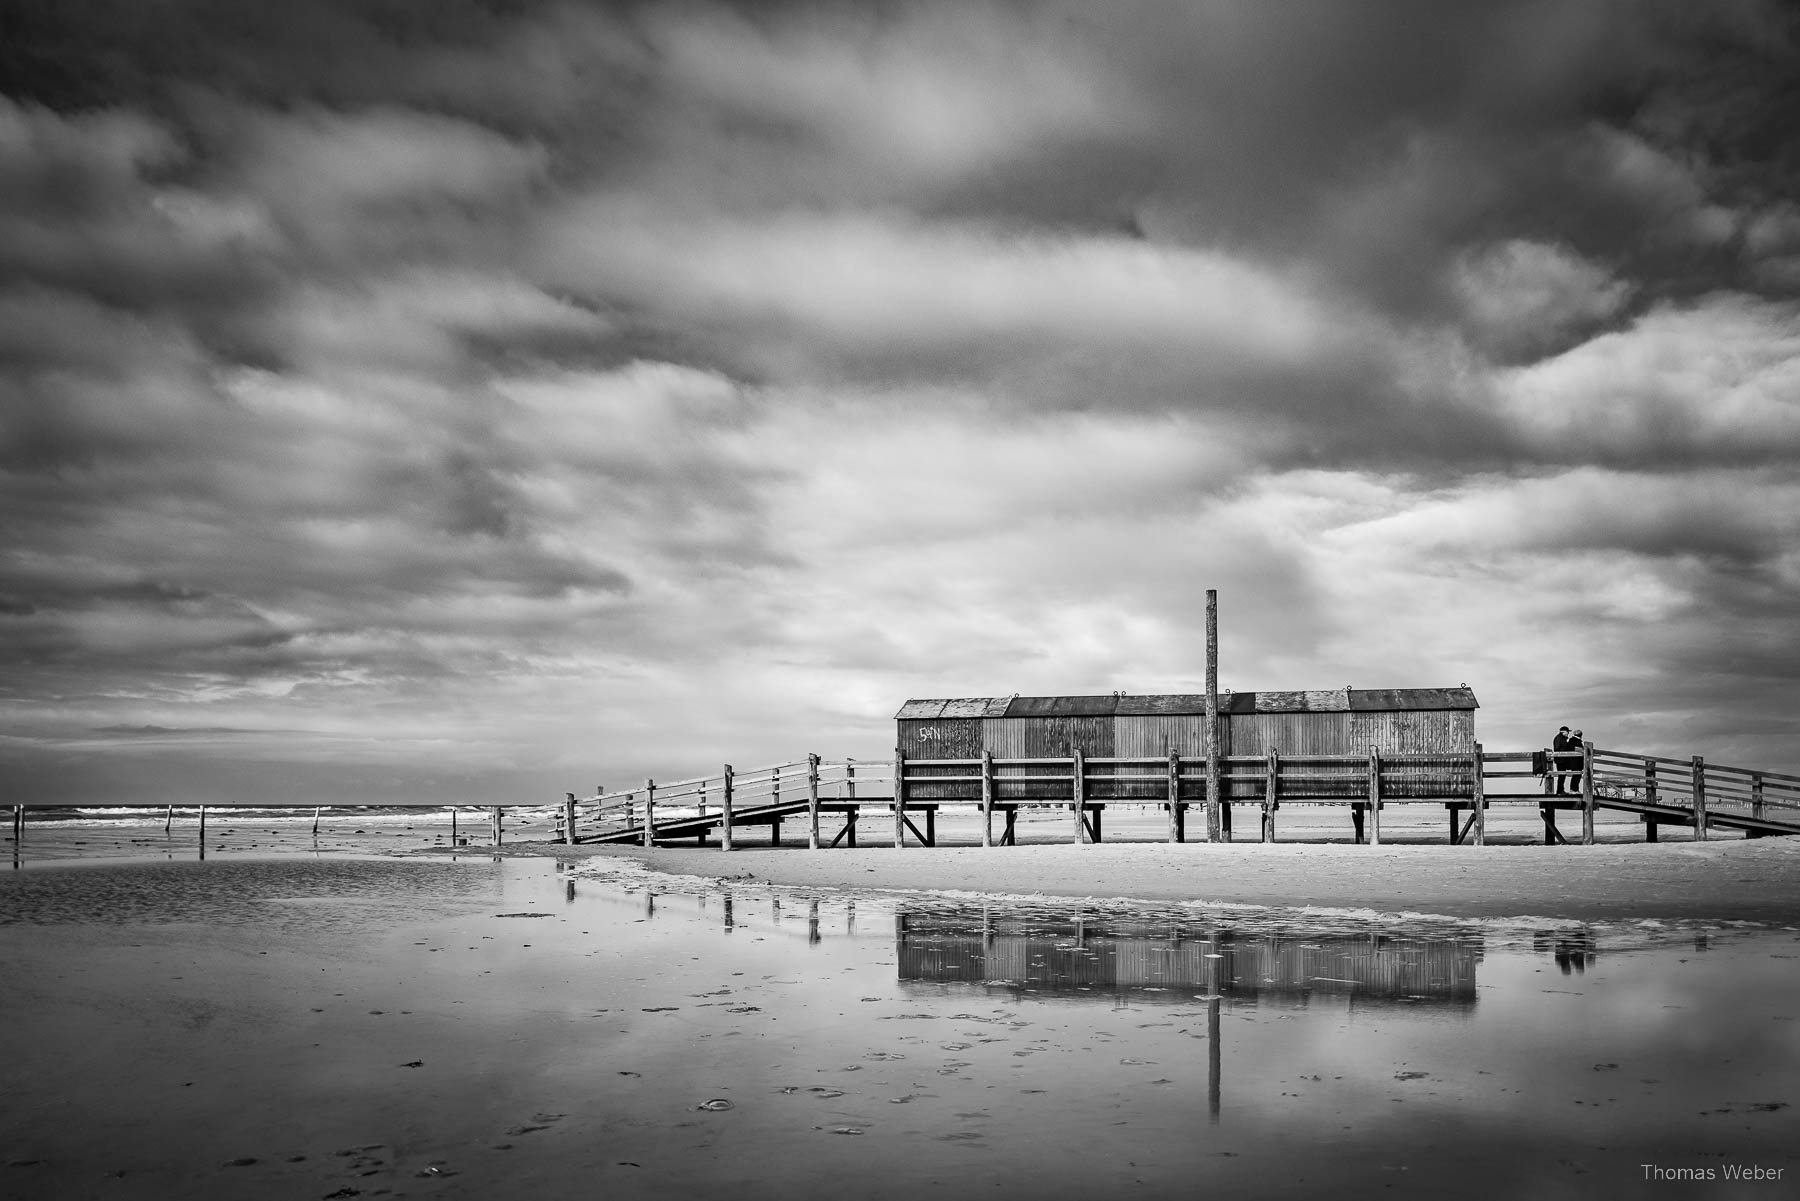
pixel 348 1026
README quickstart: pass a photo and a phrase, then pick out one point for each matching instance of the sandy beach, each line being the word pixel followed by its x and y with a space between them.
pixel 1738 880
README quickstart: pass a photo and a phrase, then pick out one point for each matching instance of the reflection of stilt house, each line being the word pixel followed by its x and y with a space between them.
pixel 1343 723
pixel 1062 956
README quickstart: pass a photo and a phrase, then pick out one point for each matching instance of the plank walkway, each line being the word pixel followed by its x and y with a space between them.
pixel 1659 791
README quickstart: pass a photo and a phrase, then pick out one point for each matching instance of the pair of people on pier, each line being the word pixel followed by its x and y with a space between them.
pixel 1565 763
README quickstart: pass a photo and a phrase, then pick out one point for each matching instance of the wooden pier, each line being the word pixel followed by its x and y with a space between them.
pixel 906 795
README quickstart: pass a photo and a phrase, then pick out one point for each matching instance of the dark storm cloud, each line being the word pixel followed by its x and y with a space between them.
pixel 414 361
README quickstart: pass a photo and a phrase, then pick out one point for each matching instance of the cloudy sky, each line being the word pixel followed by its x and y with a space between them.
pixel 488 398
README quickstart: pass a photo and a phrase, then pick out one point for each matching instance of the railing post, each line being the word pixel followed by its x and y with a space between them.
pixel 569 818
pixel 1269 794
pixel 649 813
pixel 899 798
pixel 1650 782
pixel 725 802
pixel 987 798
pixel 1587 793
pixel 849 779
pixel 1212 715
pixel 1756 795
pixel 1374 796
pixel 812 800
pixel 702 796
pixel 1479 793
pixel 1077 789
pixel 1701 834
pixel 1174 796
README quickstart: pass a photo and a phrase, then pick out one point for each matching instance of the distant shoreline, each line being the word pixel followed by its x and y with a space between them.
pixel 1756 880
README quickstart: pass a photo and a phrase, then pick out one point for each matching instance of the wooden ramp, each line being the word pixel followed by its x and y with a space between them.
pixel 1660 791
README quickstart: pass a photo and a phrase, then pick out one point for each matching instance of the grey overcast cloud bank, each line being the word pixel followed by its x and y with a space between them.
pixel 483 400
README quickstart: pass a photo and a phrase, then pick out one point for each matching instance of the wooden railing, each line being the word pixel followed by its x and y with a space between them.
pixel 723 795
pixel 1670 790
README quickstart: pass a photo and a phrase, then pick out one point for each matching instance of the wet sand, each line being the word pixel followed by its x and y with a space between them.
pixel 1740 880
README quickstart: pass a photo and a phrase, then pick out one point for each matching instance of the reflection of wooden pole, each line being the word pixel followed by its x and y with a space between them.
pixel 1212 1056
pixel 1212 715
pixel 812 923
pixel 729 923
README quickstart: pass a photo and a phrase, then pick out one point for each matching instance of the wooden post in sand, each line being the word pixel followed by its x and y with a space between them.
pixel 987 798
pixel 1270 792
pixel 316 809
pixel 203 827
pixel 1479 794
pixel 1374 796
pixel 169 820
pixel 1078 790
pixel 1174 795
pixel 812 807
pixel 497 821
pixel 725 812
pixel 569 818
pixel 649 813
pixel 899 798
pixel 1212 715
pixel 1701 834
pixel 1587 794
pixel 19 827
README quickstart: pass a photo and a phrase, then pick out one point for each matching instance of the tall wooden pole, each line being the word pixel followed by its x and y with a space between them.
pixel 725 831
pixel 1212 715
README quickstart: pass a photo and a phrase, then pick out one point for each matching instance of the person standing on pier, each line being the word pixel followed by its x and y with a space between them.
pixel 1559 759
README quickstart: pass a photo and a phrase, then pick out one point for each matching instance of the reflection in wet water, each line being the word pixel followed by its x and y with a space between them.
pixel 644 1038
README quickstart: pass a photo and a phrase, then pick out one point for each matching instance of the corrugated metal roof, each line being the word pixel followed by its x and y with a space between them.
pixel 1365 699
pixel 1335 700
pixel 1173 704
pixel 1063 706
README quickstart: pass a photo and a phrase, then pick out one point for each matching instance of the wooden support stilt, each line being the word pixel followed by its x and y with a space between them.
pixel 1479 786
pixel 1174 791
pixel 1212 715
pixel 1701 833
pixel 725 812
pixel 899 798
pixel 812 812
pixel 1375 796
pixel 649 813
pixel 1078 791
pixel 1587 793
pixel 1269 795
pixel 987 798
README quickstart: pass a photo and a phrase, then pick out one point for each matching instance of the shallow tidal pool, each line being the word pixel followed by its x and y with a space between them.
pixel 343 1027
